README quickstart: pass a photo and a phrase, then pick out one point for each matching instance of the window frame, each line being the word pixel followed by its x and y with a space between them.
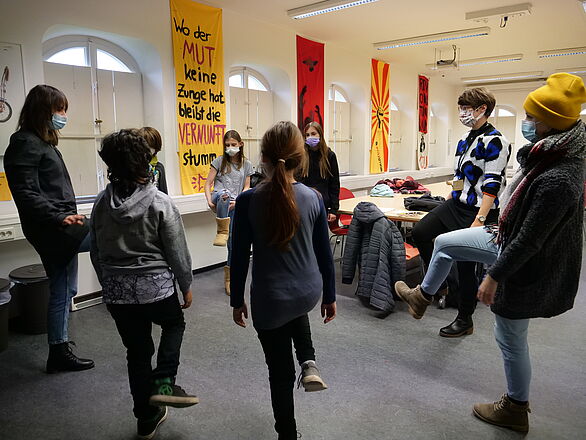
pixel 91 45
pixel 245 72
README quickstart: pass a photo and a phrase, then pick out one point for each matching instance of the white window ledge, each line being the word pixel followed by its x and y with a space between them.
pixel 10 224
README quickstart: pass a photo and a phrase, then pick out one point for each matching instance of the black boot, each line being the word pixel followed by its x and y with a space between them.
pixel 61 358
pixel 461 326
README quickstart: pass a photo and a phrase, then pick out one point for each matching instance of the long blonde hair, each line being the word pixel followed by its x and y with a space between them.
pixel 324 163
pixel 282 148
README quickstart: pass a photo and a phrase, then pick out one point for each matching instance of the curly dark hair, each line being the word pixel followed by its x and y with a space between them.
pixel 127 155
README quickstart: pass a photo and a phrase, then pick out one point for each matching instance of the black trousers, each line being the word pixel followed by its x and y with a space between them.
pixel 134 323
pixel 276 344
pixel 450 216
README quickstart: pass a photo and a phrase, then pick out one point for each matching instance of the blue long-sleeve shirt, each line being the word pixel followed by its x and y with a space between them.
pixel 285 284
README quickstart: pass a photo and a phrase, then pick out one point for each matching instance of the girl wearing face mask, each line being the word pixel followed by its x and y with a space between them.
pixel 43 193
pixel 230 175
pixel 480 165
pixel 319 170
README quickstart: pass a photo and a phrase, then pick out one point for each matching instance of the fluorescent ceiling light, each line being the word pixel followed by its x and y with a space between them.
pixel 324 7
pixel 573 70
pixel 503 77
pixel 433 38
pixel 504 11
pixel 562 52
pixel 478 61
pixel 490 60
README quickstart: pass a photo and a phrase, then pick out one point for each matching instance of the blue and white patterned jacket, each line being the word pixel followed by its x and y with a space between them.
pixel 481 161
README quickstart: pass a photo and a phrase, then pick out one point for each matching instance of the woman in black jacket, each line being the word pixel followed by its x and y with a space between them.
pixel 320 169
pixel 43 193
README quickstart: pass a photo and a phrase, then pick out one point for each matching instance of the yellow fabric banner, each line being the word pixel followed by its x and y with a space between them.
pixel 380 99
pixel 198 56
pixel 5 193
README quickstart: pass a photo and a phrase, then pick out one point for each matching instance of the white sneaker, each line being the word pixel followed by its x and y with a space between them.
pixel 310 378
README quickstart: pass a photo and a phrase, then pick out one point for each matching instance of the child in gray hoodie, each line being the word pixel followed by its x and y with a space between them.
pixel 139 251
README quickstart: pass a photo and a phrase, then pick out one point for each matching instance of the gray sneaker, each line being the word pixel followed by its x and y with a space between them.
pixel 310 378
pixel 413 298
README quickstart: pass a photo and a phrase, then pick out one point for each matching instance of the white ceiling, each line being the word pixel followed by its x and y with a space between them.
pixel 552 24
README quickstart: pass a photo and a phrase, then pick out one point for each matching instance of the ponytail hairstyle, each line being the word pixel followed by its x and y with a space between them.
pixel 322 148
pixel 225 167
pixel 127 155
pixel 282 151
pixel 40 104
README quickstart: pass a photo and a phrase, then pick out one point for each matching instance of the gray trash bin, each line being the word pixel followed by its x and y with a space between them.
pixel 31 292
pixel 4 305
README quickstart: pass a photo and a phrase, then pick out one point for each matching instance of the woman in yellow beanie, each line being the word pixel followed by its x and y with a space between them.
pixel 541 224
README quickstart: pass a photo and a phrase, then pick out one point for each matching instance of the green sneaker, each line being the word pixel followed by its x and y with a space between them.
pixel 166 393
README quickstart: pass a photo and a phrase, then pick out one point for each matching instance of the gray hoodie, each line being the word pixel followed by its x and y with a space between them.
pixel 142 234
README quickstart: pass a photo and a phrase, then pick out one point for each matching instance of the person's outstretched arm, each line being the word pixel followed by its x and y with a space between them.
pixel 325 262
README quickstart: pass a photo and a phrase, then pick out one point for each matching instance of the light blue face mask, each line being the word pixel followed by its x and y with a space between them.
pixel 528 130
pixel 57 121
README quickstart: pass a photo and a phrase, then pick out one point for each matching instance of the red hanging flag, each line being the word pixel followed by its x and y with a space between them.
pixel 310 82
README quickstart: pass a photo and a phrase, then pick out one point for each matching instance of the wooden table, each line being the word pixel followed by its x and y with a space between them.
pixel 393 207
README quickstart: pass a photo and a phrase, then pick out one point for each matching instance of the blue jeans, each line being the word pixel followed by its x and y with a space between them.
pixel 511 337
pixel 62 287
pixel 222 201
pixel 471 244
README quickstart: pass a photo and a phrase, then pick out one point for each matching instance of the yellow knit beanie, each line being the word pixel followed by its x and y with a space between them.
pixel 558 103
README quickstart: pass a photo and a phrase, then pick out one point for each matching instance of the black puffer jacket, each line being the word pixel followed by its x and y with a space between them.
pixel 376 245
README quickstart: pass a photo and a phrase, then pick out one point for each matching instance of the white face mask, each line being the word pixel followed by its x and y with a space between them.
pixel 232 151
pixel 467 118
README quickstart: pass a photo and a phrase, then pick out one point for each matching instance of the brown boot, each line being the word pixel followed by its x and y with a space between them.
pixel 504 413
pixel 227 280
pixel 223 225
pixel 413 298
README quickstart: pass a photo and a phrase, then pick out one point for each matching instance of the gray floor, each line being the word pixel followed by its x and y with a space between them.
pixel 390 378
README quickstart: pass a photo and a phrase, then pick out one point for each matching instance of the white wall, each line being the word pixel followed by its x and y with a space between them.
pixel 442 97
pixel 142 28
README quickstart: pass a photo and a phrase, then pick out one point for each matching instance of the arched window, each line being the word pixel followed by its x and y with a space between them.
pixel 245 77
pixel 103 85
pixel 251 108
pixel 338 136
pixel 80 50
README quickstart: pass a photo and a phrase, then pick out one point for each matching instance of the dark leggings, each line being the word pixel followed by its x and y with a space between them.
pixel 276 344
pixel 134 323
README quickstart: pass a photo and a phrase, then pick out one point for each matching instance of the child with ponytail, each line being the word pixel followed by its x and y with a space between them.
pixel 286 224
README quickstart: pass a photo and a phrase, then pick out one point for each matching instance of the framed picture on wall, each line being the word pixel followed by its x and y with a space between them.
pixel 12 92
